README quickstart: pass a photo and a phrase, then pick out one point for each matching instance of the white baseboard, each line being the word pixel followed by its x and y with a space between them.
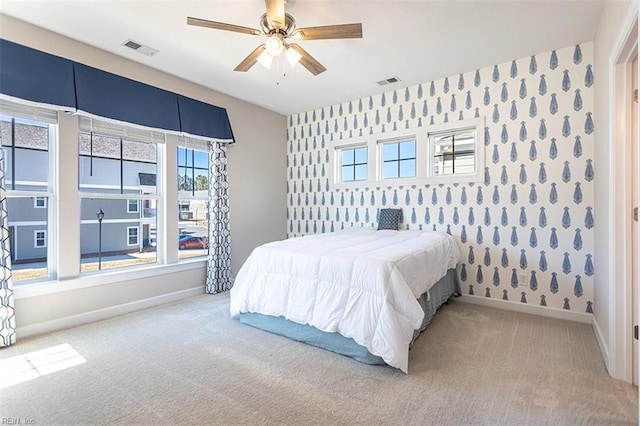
pixel 602 344
pixel 105 313
pixel 526 308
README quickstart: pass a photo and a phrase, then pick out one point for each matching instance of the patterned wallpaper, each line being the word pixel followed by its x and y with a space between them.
pixel 533 213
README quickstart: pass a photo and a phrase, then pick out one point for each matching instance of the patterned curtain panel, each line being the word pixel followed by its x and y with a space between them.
pixel 219 276
pixel 7 312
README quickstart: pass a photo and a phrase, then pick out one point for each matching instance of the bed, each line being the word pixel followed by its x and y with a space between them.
pixel 360 292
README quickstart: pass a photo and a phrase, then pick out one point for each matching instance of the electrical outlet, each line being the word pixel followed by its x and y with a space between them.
pixel 523 279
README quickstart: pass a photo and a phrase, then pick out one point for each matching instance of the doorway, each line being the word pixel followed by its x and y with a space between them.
pixel 623 274
pixel 634 149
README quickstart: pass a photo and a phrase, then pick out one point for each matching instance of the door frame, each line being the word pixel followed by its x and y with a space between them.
pixel 620 184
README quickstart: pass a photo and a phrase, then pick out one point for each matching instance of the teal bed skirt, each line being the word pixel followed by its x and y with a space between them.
pixel 439 294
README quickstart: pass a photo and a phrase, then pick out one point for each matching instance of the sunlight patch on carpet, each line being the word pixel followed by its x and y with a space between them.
pixel 22 368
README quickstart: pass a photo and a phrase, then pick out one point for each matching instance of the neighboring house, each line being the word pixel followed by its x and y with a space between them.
pixel 106 166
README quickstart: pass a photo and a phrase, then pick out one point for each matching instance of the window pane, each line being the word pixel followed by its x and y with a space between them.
pixel 390 151
pixel 361 155
pixel 5 130
pixel 31 134
pixel 139 178
pixel 348 157
pixel 99 175
pixel 454 153
pixel 443 145
pixel 182 156
pixel 407 168
pixel 102 170
pixel 99 146
pixel 185 181
pixel 193 228
pixel 465 163
pixel 361 172
pixel 132 233
pixel 347 173
pixel 201 159
pixel 193 196
pixel 390 170
pixel 39 239
pixel 31 170
pixel 27 239
pixel 201 183
pixel 467 137
pixel 443 165
pixel 193 181
pixel 26 154
pixel 40 202
pixel 132 206
pixel 408 149
pixel 119 240
pixel 139 151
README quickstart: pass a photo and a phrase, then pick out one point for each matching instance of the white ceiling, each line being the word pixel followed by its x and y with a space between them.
pixel 416 41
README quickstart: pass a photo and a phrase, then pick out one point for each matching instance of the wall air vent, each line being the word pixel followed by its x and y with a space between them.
pixel 388 81
pixel 146 50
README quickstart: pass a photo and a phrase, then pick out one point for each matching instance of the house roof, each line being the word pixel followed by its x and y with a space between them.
pixel 147 179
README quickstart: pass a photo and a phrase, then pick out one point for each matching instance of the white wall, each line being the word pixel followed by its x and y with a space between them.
pixel 610 30
pixel 257 182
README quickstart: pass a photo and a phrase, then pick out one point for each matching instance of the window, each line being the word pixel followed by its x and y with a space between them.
pixel 193 172
pixel 398 159
pixel 132 206
pixel 39 202
pixel 25 143
pixel 453 152
pixel 132 235
pixel 449 152
pixel 117 178
pixel 354 164
pixel 39 239
pixel 193 201
pixel 119 170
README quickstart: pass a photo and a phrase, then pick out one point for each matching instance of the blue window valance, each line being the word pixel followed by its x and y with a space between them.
pixel 36 76
pixel 191 122
pixel 118 98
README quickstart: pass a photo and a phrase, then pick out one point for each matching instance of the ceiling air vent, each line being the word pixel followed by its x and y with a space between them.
pixel 146 50
pixel 388 81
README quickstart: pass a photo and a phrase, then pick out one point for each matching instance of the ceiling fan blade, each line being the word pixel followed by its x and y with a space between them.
pixel 222 26
pixel 329 32
pixel 275 13
pixel 308 61
pixel 250 60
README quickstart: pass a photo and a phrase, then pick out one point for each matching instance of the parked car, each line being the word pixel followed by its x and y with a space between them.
pixel 191 242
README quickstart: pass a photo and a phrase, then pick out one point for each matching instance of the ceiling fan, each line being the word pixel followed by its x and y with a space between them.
pixel 278 26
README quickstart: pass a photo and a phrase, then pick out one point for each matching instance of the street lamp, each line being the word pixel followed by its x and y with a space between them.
pixel 100 215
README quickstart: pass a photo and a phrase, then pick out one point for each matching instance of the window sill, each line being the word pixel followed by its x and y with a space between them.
pixel 41 288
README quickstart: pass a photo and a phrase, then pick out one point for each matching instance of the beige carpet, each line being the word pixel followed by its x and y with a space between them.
pixel 189 363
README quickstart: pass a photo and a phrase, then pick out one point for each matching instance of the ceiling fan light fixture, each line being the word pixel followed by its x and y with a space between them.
pixel 278 26
pixel 265 59
pixel 275 44
pixel 293 56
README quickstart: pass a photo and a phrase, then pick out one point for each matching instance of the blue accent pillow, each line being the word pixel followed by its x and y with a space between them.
pixel 389 219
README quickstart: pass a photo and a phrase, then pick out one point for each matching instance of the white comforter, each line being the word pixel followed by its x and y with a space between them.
pixel 361 283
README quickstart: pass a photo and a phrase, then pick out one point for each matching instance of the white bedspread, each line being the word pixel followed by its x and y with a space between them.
pixel 361 283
